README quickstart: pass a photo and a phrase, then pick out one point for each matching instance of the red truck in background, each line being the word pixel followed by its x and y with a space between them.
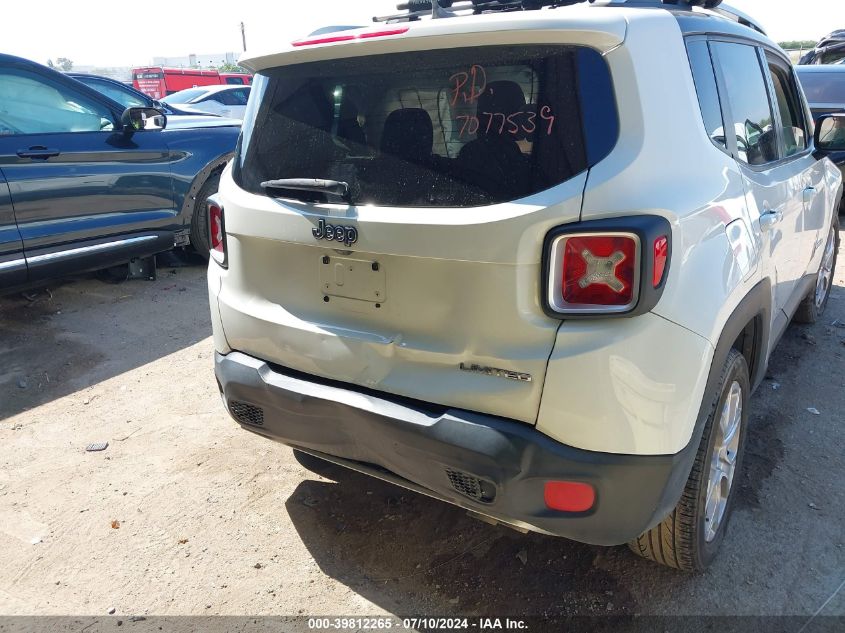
pixel 159 82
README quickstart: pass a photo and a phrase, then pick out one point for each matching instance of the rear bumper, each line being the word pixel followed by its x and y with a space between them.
pixel 416 445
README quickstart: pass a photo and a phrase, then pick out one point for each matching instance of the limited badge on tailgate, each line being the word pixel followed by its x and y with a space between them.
pixel 352 278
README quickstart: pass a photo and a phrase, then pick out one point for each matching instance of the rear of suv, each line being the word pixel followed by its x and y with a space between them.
pixel 512 259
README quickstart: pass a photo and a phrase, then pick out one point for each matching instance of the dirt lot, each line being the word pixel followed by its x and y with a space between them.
pixel 184 513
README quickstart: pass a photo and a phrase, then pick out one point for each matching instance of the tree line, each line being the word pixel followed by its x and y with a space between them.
pixel 791 44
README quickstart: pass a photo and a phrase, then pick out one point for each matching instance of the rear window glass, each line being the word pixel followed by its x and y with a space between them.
pixel 823 87
pixel 462 127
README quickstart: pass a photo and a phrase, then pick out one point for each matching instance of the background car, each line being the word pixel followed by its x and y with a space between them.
pixel 87 184
pixel 829 50
pixel 129 97
pixel 824 87
pixel 227 101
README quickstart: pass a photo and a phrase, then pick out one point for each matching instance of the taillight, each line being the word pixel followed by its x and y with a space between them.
pixel 217 232
pixel 610 267
pixel 599 270
pixel 569 496
pixel 594 272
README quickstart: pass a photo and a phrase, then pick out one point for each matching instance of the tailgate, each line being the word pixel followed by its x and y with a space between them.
pixel 413 264
pixel 449 293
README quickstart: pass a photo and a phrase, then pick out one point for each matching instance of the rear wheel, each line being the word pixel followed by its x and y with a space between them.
pixel 813 305
pixel 199 221
pixel 690 536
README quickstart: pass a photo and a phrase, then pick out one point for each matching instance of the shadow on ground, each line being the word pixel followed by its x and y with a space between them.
pixel 72 334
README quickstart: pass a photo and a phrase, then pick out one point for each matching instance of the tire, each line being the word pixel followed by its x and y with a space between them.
pixel 318 466
pixel 199 220
pixel 684 539
pixel 813 305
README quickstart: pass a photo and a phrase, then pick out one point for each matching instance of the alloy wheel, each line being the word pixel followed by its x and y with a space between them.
pixel 723 461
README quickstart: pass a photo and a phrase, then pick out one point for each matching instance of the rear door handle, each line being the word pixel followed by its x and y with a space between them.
pixel 38 152
pixel 770 218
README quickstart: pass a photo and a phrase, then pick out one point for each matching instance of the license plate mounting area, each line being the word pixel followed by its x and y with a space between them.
pixel 361 279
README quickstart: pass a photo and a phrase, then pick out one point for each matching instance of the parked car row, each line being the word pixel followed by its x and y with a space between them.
pixel 129 97
pixel 228 101
pixel 159 82
pixel 92 177
pixel 64 189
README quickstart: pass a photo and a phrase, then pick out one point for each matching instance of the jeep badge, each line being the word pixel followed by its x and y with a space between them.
pixel 346 234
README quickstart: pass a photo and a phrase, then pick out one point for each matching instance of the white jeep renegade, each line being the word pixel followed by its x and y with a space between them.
pixel 531 260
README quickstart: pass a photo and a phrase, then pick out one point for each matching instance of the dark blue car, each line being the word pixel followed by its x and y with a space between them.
pixel 87 184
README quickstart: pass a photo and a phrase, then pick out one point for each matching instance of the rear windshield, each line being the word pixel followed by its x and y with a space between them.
pixel 823 87
pixel 462 127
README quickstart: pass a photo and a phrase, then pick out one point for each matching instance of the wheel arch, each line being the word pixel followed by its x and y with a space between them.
pixel 189 200
pixel 747 330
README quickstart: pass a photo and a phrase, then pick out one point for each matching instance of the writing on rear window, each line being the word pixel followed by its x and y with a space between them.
pixel 468 86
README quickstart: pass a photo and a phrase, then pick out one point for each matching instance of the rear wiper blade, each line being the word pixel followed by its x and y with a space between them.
pixel 336 187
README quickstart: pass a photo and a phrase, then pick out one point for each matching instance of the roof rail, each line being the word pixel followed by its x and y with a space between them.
pixel 738 16
pixel 417 9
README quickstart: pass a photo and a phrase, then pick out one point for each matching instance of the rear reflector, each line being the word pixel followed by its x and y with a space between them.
pixel 569 496
pixel 661 253
pixel 346 37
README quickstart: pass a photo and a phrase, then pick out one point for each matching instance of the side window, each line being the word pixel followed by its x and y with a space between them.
pixel 832 57
pixel 31 104
pixel 235 81
pixel 748 99
pixel 123 97
pixel 789 105
pixel 241 96
pixel 224 96
pixel 708 93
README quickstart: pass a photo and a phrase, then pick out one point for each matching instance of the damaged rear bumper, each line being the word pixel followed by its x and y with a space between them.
pixel 489 465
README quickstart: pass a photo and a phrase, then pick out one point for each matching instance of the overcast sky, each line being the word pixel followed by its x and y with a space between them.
pixel 130 33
